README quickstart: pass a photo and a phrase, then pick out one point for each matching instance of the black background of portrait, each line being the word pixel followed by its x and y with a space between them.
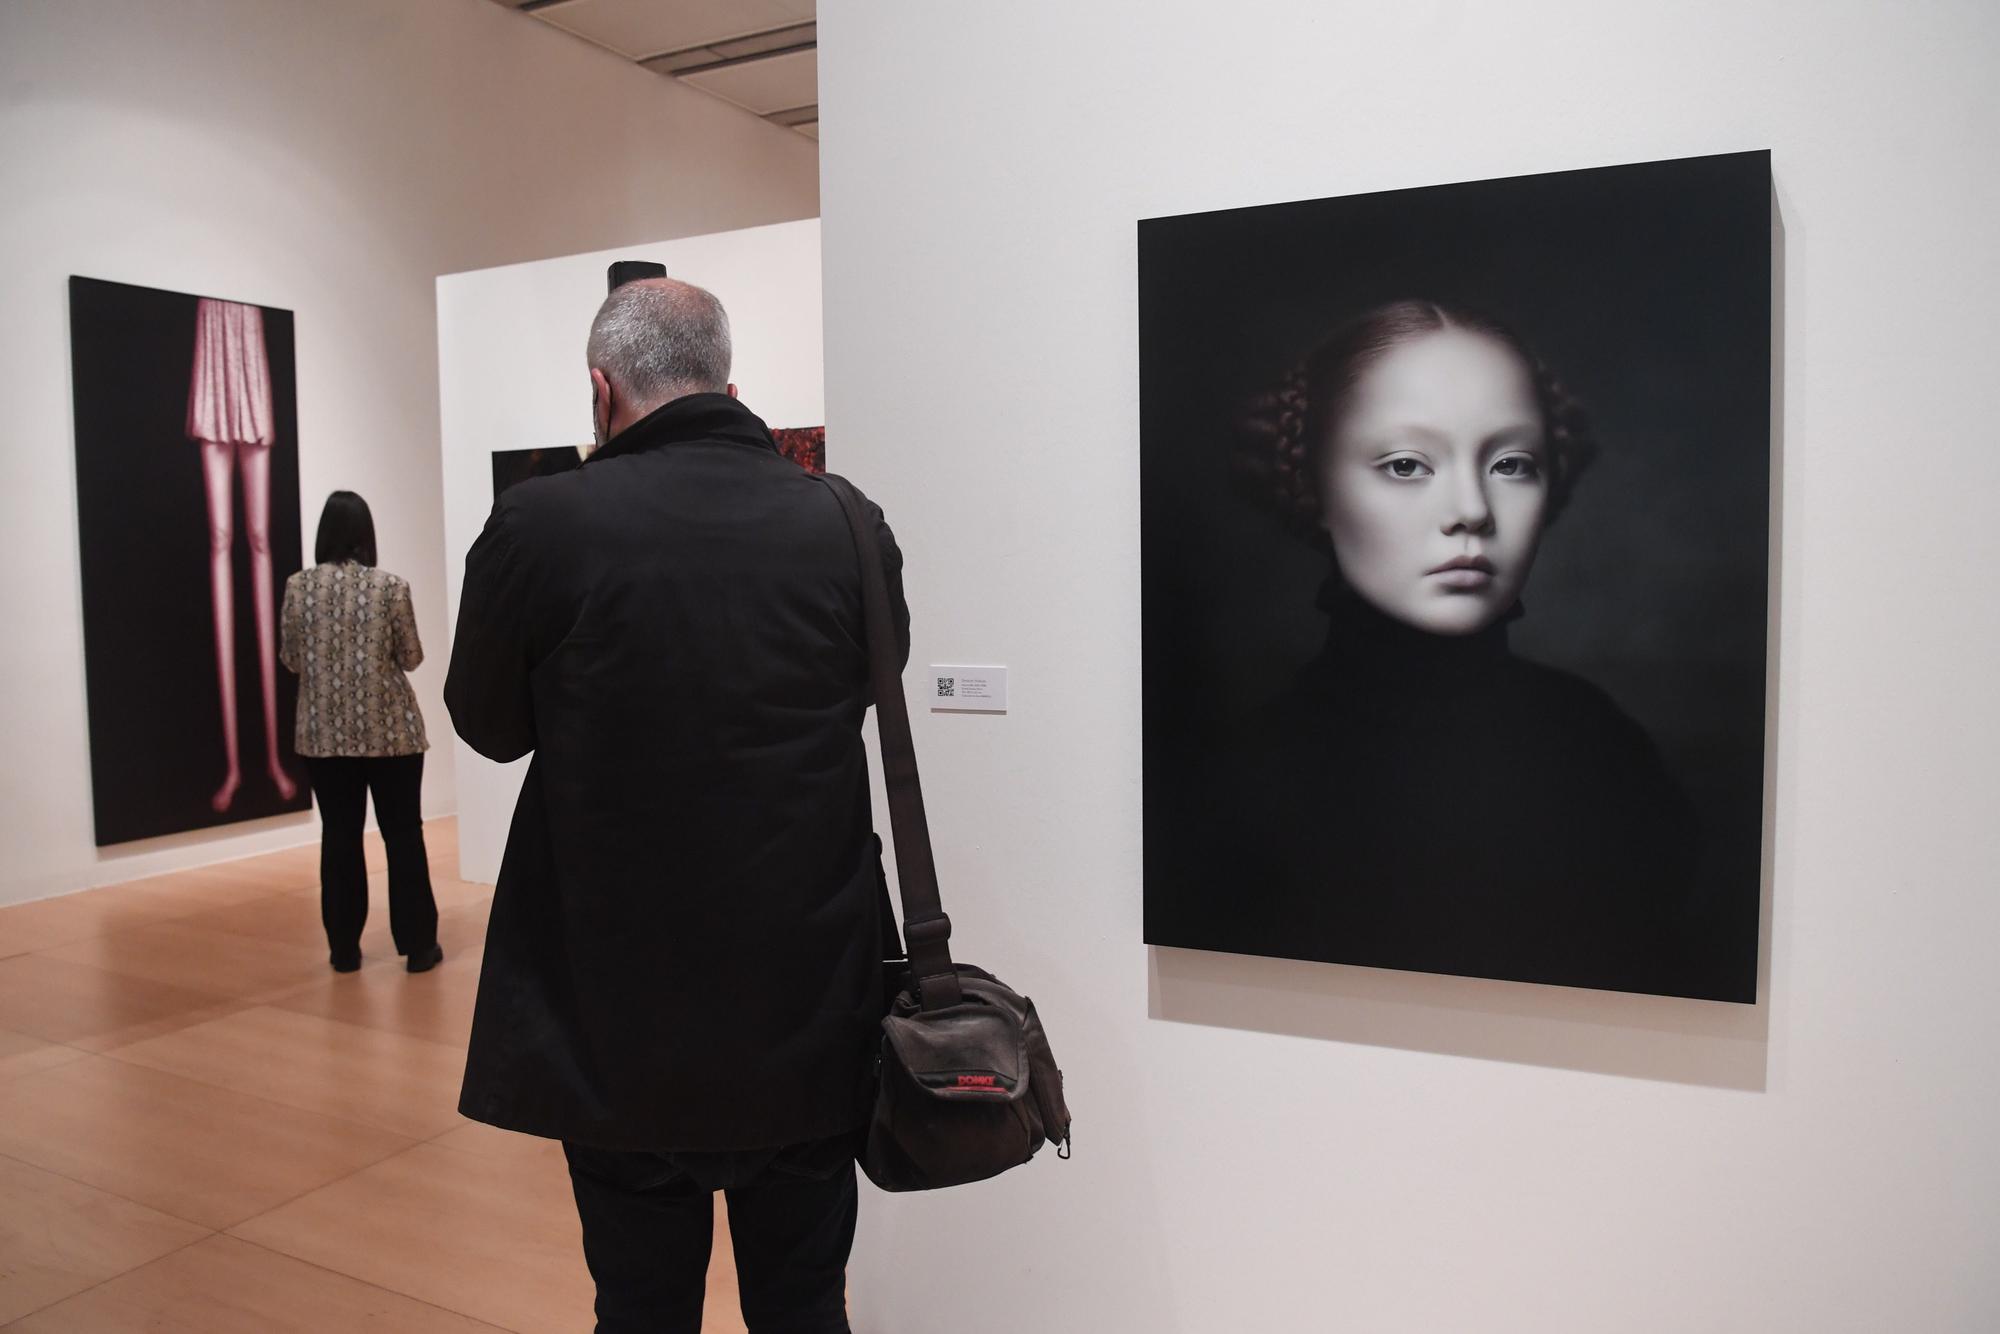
pixel 1646 289
pixel 156 753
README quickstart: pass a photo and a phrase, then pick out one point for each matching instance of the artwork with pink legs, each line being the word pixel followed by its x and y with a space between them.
pixel 188 515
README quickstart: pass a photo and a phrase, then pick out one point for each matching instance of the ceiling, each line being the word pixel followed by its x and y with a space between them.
pixel 761 55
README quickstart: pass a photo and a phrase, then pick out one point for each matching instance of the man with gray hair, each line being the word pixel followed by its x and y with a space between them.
pixel 657 340
pixel 682 975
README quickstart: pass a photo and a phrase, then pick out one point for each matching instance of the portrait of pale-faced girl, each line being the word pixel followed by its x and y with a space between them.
pixel 1433 614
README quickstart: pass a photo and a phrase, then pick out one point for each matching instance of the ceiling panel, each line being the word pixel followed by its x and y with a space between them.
pixel 763 86
pixel 640 28
pixel 760 55
pixel 795 117
pixel 772 42
pixel 766 43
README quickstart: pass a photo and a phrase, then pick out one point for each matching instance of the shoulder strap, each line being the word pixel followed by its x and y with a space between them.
pixel 926 928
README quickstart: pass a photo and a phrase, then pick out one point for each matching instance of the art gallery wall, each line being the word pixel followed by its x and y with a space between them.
pixel 512 376
pixel 330 159
pixel 1264 1145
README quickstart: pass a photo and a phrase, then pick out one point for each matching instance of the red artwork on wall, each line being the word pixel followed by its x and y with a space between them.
pixel 803 445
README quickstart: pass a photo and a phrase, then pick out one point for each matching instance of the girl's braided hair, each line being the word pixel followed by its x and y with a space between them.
pixel 1283 429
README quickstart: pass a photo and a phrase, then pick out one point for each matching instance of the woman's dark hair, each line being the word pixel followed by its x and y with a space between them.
pixel 346 531
pixel 1285 429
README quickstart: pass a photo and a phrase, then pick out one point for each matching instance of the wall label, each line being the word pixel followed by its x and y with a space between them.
pixel 968 689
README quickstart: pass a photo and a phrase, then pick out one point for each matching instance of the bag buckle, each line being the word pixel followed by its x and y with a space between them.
pixel 926 930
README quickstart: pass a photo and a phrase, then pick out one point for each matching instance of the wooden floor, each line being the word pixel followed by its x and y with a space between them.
pixel 203 1128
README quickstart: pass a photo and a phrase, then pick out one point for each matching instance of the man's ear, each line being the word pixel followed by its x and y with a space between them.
pixel 600 404
pixel 732 391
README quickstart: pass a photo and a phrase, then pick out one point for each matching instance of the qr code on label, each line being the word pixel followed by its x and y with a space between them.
pixel 947 687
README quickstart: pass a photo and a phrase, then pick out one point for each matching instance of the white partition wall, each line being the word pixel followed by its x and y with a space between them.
pixel 511 375
pixel 1291 1148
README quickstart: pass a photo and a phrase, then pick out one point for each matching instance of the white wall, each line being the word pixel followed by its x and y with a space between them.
pixel 1289 1147
pixel 511 375
pixel 331 158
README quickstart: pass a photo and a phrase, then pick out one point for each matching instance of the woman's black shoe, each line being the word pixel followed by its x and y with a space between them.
pixel 347 963
pixel 425 960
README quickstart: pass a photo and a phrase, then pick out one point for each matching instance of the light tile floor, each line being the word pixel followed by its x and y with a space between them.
pixel 204 1128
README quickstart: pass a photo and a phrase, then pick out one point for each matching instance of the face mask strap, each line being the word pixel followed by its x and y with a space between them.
pixel 599 435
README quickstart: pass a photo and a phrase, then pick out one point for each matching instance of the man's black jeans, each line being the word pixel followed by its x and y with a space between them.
pixel 648 1224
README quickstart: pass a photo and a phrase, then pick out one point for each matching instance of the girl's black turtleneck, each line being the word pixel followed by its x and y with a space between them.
pixel 1438 803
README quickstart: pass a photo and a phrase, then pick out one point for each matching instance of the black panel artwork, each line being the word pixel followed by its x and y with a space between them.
pixel 188 520
pixel 1456 515
pixel 803 445
pixel 518 465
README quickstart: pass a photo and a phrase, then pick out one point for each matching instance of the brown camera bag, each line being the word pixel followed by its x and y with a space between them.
pixel 967 1086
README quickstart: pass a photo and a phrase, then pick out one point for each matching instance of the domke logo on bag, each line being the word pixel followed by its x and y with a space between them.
pixel 944 1082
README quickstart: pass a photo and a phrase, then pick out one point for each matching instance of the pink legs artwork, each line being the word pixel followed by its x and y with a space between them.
pixel 229 416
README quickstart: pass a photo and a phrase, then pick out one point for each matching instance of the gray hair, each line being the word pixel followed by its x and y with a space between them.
pixel 657 340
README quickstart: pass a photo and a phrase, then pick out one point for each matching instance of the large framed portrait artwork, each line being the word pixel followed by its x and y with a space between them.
pixel 1456 515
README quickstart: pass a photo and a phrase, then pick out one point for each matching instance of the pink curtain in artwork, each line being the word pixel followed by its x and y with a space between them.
pixel 229 393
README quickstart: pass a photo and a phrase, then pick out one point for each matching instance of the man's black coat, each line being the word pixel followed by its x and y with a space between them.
pixel 684 947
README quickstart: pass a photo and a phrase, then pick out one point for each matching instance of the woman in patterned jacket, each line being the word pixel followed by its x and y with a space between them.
pixel 349 633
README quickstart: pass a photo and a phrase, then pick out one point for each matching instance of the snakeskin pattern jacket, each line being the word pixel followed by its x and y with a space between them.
pixel 349 633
